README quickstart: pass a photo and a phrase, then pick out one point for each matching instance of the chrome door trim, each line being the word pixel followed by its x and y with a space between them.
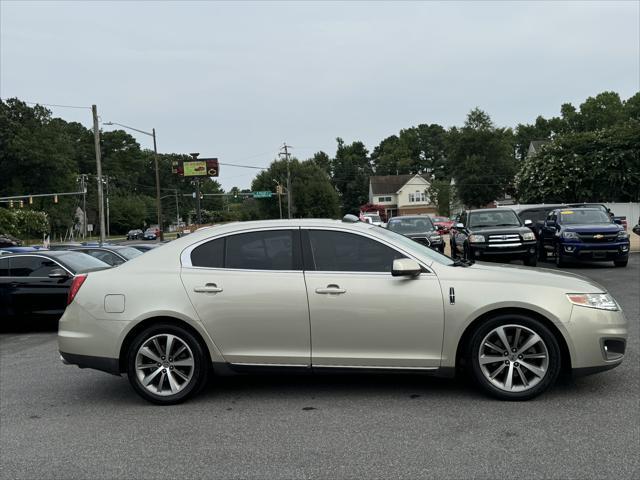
pixel 374 367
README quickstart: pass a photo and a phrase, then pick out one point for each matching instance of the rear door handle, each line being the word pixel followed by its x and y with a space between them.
pixel 208 288
pixel 335 289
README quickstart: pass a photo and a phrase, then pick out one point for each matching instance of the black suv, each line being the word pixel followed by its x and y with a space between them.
pixel 494 233
pixel 418 228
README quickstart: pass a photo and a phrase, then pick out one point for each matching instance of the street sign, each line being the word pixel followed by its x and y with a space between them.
pixel 262 194
pixel 89 227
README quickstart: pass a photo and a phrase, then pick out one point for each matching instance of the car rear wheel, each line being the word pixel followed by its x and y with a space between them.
pixel 514 357
pixel 166 364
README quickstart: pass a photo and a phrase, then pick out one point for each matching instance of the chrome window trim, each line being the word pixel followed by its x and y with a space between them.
pixel 37 256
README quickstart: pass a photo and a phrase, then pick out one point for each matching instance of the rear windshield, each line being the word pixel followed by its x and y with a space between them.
pixel 129 252
pixel 410 225
pixel 494 218
pixel 80 262
pixel 577 217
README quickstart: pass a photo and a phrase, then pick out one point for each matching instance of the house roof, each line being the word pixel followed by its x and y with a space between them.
pixel 390 183
pixel 536 144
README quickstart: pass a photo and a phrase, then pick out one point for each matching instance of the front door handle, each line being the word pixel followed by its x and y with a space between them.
pixel 208 288
pixel 332 288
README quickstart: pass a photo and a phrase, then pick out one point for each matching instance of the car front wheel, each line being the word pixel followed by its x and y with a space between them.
pixel 514 357
pixel 166 364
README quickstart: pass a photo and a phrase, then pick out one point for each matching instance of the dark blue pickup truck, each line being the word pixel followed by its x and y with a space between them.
pixel 583 234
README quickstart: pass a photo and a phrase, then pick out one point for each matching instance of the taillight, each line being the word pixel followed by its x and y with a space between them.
pixel 77 282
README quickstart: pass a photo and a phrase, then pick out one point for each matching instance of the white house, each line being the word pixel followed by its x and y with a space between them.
pixel 401 194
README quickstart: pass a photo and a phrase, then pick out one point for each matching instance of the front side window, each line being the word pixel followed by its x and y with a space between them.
pixel 268 250
pixel 347 252
pixel 32 266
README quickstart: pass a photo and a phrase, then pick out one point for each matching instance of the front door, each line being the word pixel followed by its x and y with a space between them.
pixel 248 290
pixel 360 315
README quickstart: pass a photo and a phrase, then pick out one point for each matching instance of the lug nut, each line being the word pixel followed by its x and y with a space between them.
pixel 164 370
pixel 162 358
pixel 516 364
pixel 506 362
pixel 520 357
pixel 506 353
pixel 170 359
pixel 513 350
pixel 171 367
pixel 159 364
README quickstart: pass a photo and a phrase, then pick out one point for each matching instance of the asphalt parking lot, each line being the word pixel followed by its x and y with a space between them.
pixel 59 421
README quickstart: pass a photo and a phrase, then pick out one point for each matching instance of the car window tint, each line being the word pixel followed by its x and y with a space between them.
pixel 210 254
pixel 269 250
pixel 347 252
pixel 32 266
pixel 4 267
pixel 106 257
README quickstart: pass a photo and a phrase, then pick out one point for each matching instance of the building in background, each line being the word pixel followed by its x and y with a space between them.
pixel 401 194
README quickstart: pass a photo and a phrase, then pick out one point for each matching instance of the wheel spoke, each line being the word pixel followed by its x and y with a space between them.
pixel 485 359
pixel 169 345
pixel 146 351
pixel 147 380
pixel 533 339
pixel 497 371
pixel 181 349
pixel 535 355
pixel 172 382
pixel 508 383
pixel 493 346
pixel 157 345
pixel 522 377
pixel 539 372
pixel 503 338
pixel 161 382
pixel 187 362
pixel 516 340
pixel 180 374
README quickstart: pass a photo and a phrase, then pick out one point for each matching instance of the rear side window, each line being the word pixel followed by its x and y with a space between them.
pixel 32 266
pixel 4 267
pixel 347 252
pixel 268 250
pixel 210 254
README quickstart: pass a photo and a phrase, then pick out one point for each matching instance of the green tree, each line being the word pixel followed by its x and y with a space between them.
pixel 351 169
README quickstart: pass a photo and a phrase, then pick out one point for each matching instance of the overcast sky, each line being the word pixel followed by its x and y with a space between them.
pixel 235 80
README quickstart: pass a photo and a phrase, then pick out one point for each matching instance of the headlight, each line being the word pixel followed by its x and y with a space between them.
pixel 528 236
pixel 435 238
pixel 476 238
pixel 622 235
pixel 602 301
pixel 570 236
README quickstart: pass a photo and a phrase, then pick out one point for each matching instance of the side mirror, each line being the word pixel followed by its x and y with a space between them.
pixel 459 225
pixel 405 267
pixel 58 273
pixel 528 223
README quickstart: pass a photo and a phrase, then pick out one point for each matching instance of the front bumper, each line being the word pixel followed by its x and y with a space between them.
pixel 595 251
pixel 597 339
pixel 514 250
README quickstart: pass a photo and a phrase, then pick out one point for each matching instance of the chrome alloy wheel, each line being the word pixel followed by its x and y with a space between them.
pixel 513 358
pixel 164 364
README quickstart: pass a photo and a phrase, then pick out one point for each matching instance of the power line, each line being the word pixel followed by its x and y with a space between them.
pixel 50 104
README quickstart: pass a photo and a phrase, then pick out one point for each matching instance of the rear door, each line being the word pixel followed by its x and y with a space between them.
pixel 34 293
pixel 248 289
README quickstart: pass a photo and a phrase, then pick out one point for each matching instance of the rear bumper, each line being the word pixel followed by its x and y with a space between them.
pixel 104 364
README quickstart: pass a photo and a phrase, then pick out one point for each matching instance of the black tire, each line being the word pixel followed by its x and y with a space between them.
pixel 621 263
pixel 553 349
pixel 560 261
pixel 200 367
pixel 531 260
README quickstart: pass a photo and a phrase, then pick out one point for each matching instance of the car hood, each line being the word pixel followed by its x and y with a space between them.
pixel 596 227
pixel 515 274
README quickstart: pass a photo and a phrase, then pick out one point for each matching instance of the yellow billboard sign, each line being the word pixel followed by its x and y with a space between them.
pixel 195 169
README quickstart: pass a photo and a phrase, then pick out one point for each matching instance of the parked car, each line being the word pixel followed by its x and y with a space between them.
pixel 620 220
pixel 36 285
pixel 64 245
pixel 445 224
pixel 535 213
pixel 494 233
pixel 144 247
pixel 584 234
pixel 150 234
pixel 23 249
pixel 113 255
pixel 136 234
pixel 321 295
pixel 373 217
pixel 419 228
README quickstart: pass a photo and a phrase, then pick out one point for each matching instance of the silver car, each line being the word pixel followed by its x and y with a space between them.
pixel 312 295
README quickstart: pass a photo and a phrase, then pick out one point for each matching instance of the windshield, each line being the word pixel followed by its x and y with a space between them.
pixel 576 217
pixel 410 225
pixel 80 262
pixel 407 243
pixel 440 219
pixel 129 252
pixel 494 218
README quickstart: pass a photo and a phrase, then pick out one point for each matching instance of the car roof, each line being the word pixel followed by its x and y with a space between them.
pixel 484 210
pixel 580 209
pixel 421 217
pixel 536 206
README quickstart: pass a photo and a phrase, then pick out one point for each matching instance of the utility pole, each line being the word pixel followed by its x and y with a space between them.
pixel 177 210
pixel 83 185
pixel 197 180
pixel 158 206
pixel 286 154
pixel 107 199
pixel 96 140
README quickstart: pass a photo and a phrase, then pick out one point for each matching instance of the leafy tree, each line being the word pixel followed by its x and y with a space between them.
pixel 351 169
pixel 482 157
pixel 440 192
